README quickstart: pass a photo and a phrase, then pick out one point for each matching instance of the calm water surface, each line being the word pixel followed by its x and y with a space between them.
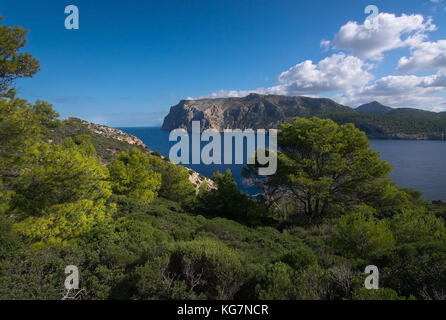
pixel 417 164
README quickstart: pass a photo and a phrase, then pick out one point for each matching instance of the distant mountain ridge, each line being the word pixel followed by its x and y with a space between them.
pixel 374 108
pixel 270 111
pixel 377 108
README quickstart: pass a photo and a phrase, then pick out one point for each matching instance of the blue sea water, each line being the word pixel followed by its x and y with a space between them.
pixel 417 164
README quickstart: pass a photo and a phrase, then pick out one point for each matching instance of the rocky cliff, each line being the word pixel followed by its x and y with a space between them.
pixel 250 112
pixel 257 111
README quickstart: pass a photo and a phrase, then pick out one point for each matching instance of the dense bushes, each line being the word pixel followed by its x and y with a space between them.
pixel 144 177
pixel 227 201
pixel 131 175
pixel 157 251
pixel 59 175
pixel 137 230
pixel 413 226
pixel 64 222
pixel 282 282
pixel 175 183
pixel 356 236
pixel 132 235
pixel 208 267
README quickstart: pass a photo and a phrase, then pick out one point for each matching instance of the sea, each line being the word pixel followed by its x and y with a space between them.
pixel 420 165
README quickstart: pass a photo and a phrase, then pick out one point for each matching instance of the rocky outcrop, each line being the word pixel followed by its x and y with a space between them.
pixel 257 111
pixel 109 154
pixel 198 180
pixel 251 112
pixel 113 133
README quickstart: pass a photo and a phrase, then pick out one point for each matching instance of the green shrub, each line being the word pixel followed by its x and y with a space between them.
pixel 281 282
pixel 417 226
pixel 378 294
pixel 131 175
pixel 356 236
pixel 299 258
pixel 208 267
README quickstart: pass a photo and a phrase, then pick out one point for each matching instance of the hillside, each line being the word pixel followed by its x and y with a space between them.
pixel 110 142
pixel 269 111
pixel 88 212
pixel 377 108
pixel 136 229
pixel 373 108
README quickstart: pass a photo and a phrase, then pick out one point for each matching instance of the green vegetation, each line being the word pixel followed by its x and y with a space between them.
pixel 136 228
pixel 398 124
pixel 13 63
pixel 175 183
pixel 227 201
pixel 131 176
pixel 58 174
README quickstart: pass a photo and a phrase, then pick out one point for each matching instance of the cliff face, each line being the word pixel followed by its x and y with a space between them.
pixel 251 112
pixel 270 111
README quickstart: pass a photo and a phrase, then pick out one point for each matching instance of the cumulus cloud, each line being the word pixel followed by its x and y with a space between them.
pixel 337 72
pixel 325 44
pixel 388 32
pixel 226 93
pixel 425 56
pixel 401 91
pixel 350 77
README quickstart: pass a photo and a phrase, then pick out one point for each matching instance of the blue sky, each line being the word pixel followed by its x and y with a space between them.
pixel 131 60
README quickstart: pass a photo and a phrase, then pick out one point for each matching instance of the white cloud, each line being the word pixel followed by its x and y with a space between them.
pixel 337 72
pixel 350 76
pixel 438 109
pixel 226 93
pixel 325 44
pixel 425 56
pixel 388 32
pixel 402 91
